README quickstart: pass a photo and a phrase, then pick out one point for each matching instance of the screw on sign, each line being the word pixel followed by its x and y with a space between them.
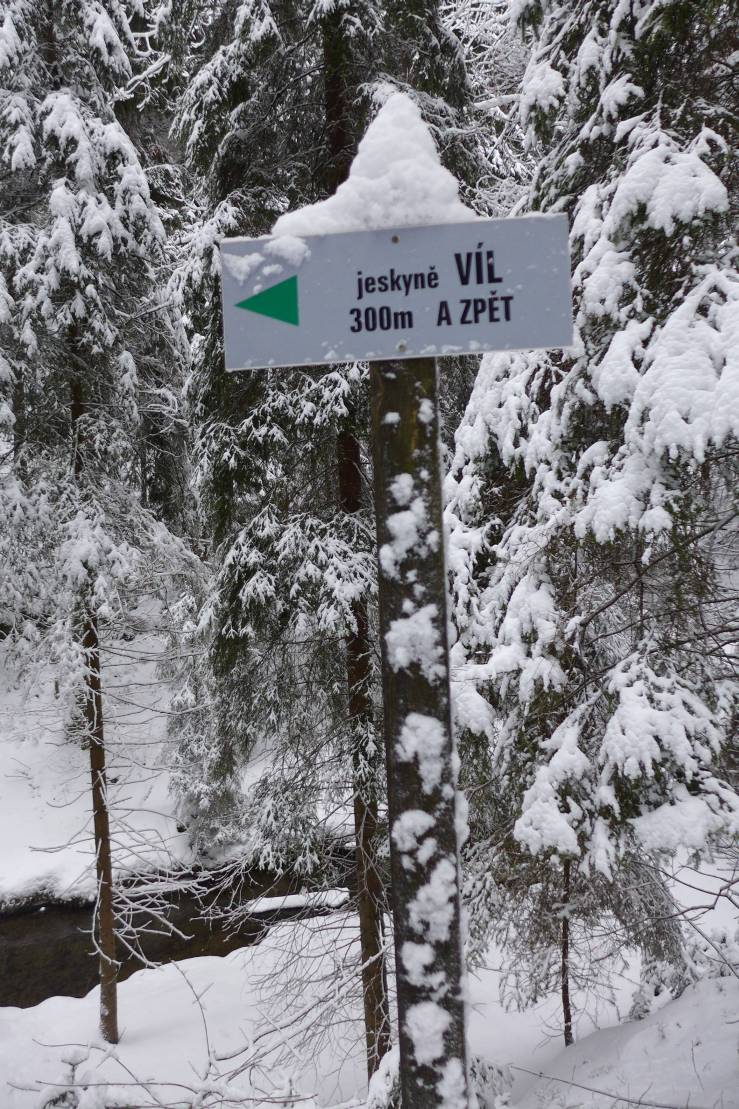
pixel 399 273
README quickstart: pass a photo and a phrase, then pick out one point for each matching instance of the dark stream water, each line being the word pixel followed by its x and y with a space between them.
pixel 45 949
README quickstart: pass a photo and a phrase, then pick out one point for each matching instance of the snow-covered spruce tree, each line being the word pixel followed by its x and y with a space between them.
pixel 593 497
pixel 80 240
pixel 253 122
pixel 495 60
pixel 482 141
pixel 270 118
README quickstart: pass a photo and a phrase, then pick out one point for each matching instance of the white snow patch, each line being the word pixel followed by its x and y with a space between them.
pixel 405 528
pixel 542 823
pixel 396 180
pixel 289 249
pixel 682 1055
pixel 690 822
pixel 432 909
pixel 401 487
pixel 415 639
pixel 675 186
pixel 320 899
pixel 422 738
pixel 417 958
pixel 383 1080
pixel 452 1085
pixel 241 266
pixel 410 826
pixel 544 88
pixel 425 411
pixel 426 1024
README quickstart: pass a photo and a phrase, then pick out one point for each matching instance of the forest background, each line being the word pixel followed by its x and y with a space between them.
pixel 591 493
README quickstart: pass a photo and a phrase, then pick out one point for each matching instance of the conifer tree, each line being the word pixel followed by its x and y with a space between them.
pixel 279 454
pixel 271 117
pixel 593 494
pixel 495 57
pixel 80 243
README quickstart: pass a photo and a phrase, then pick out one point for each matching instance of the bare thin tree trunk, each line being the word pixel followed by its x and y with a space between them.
pixel 104 917
pixel 19 417
pixel 104 923
pixel 358 646
pixel 365 760
pixel 566 1007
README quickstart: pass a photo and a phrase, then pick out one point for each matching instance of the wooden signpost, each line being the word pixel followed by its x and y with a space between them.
pixel 397 298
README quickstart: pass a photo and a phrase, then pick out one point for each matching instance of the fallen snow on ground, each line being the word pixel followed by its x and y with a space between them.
pixel 286 1015
pixel 45 814
pixel 300 979
pixel 291 1002
pixel 684 1055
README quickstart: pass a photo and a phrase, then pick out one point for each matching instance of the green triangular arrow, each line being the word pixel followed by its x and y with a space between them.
pixel 279 302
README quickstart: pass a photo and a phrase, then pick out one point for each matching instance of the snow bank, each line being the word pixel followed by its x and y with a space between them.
pixel 45 807
pixel 683 1055
pixel 396 180
pixel 265 996
pixel 321 899
pixel 302 977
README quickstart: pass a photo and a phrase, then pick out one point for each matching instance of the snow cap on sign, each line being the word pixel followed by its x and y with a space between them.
pixel 396 180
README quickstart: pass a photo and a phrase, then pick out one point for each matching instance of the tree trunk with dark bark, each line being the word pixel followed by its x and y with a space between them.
pixel 19 420
pixel 365 754
pixel 422 798
pixel 103 928
pixel 104 915
pixel 370 892
pixel 565 970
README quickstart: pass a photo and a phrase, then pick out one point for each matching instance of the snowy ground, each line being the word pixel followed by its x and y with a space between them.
pixel 45 819
pixel 286 1012
pixel 685 1055
pixel 266 999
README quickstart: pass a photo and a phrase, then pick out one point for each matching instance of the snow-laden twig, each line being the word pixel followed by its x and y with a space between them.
pixel 209 1091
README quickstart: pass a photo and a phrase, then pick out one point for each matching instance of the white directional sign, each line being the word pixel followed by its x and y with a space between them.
pixel 409 292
